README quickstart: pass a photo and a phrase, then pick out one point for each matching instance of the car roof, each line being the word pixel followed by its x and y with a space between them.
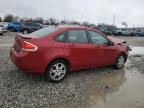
pixel 66 27
pixel 73 27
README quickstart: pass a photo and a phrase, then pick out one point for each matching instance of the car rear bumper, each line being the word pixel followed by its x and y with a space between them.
pixel 21 61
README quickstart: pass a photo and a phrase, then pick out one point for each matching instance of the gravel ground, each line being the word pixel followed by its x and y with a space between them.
pixel 19 89
pixel 82 89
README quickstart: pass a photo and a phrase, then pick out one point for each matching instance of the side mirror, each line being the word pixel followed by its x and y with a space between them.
pixel 110 43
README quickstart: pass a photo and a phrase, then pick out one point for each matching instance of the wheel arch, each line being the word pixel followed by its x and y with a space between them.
pixel 125 55
pixel 58 58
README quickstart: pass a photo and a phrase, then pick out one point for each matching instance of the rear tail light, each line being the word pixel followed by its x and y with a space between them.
pixel 26 46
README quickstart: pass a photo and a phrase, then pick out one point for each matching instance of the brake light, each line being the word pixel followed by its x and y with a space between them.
pixel 26 46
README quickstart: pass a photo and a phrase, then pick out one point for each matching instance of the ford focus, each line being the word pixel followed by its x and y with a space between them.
pixel 56 51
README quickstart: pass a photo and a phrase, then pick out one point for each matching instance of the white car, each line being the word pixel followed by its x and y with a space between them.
pixel 123 31
pixel 2 29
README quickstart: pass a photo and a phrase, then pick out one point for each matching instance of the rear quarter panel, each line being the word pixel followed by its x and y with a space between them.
pixel 49 50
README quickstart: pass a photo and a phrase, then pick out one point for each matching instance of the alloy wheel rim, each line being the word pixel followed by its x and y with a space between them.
pixel 58 71
pixel 120 61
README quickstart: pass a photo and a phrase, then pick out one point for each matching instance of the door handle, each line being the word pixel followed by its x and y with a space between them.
pixel 72 45
pixel 97 46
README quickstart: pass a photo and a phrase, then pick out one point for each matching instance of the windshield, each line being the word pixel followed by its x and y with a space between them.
pixel 44 31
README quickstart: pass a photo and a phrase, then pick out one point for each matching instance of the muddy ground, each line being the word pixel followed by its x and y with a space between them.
pixel 133 40
pixel 94 88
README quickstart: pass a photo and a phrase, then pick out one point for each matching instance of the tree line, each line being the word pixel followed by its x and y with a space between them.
pixel 49 21
pixel 54 21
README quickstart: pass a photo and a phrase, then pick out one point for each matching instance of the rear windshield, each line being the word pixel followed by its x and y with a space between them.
pixel 44 31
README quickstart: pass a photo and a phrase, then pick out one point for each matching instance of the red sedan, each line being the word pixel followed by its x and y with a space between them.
pixel 55 51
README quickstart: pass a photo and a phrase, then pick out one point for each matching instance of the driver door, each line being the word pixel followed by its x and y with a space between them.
pixel 103 53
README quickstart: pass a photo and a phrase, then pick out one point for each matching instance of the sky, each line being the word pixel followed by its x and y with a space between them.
pixel 93 11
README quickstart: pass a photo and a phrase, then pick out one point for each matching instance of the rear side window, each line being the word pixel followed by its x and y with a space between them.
pixel 60 37
pixel 77 36
pixel 44 31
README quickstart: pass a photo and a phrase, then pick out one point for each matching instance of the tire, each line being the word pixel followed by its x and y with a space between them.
pixel 57 71
pixel 109 34
pixel 12 30
pixel 132 34
pixel 120 61
pixel 25 31
pixel 119 34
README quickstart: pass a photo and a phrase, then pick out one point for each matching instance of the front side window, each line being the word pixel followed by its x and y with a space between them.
pixel 77 36
pixel 97 38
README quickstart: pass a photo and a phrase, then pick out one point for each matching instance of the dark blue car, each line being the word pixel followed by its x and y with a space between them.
pixel 28 27
pixel 25 27
pixel 140 34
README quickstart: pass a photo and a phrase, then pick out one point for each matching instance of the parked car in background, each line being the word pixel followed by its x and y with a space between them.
pixel 14 26
pixel 2 29
pixel 28 27
pixel 106 32
pixel 4 24
pixel 139 32
pixel 25 27
pixel 123 31
pixel 55 51
pixel 107 29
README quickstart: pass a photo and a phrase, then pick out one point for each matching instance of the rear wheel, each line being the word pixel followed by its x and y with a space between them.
pixel 132 34
pixel 119 34
pixel 120 61
pixel 12 29
pixel 57 71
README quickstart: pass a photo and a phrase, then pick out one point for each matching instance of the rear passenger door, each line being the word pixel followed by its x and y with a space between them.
pixel 79 49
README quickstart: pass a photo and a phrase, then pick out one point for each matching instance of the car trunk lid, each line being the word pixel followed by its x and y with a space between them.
pixel 19 40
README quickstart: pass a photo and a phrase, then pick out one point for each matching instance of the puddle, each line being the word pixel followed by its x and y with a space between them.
pixel 137 50
pixel 122 88
pixel 125 91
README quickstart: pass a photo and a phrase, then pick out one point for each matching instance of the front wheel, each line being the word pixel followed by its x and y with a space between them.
pixel 120 61
pixel 57 71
